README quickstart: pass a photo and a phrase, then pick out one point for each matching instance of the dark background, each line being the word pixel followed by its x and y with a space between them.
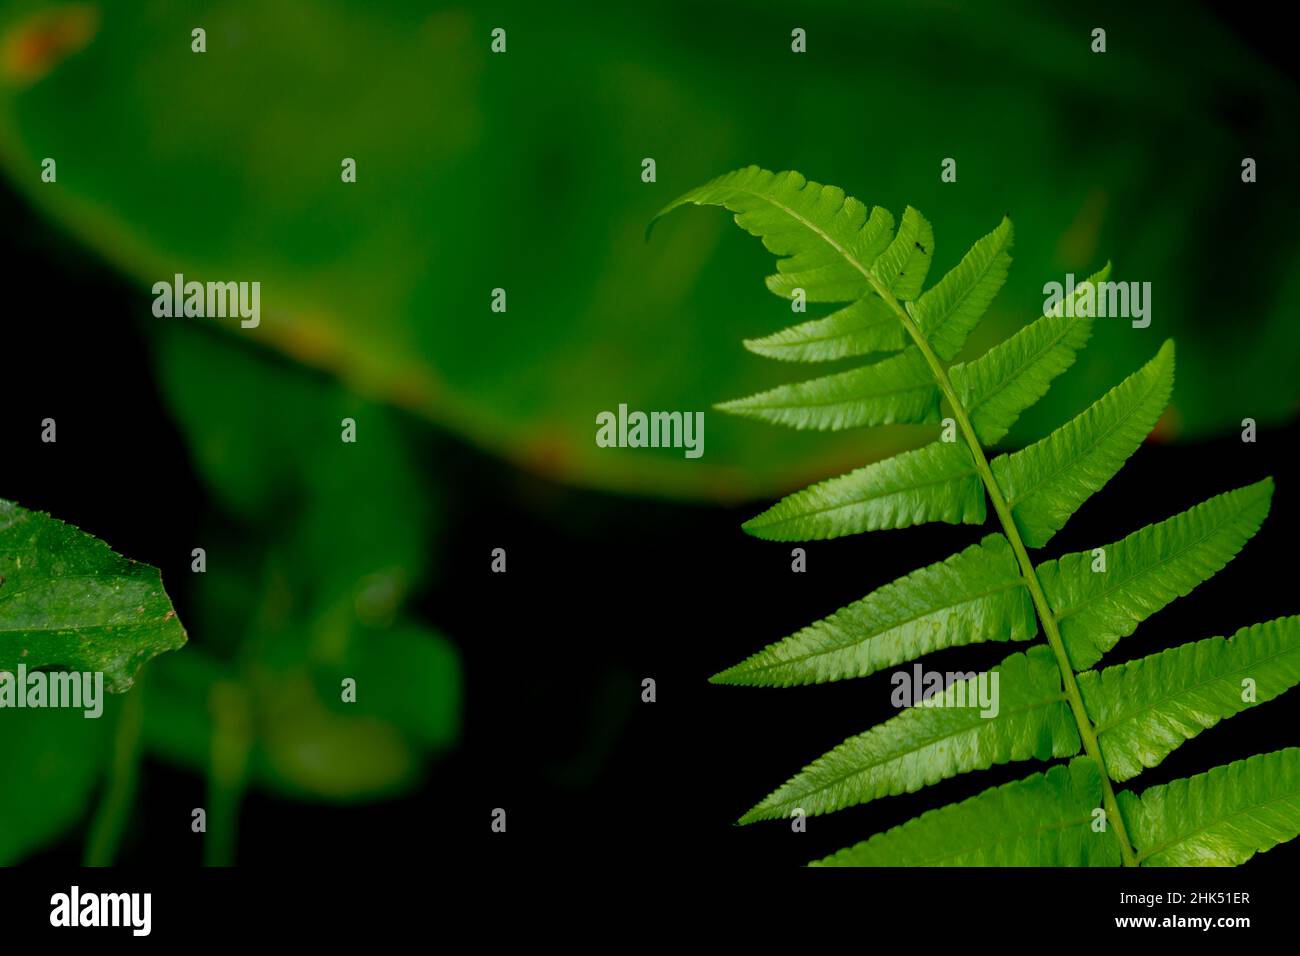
pixel 602 591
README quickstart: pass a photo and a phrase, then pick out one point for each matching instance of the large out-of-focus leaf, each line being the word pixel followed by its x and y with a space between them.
pixel 522 171
pixel 51 760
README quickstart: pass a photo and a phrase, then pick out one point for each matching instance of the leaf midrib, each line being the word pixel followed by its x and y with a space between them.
pixel 965 473
pixel 1142 572
pixel 1013 371
pixel 751 405
pixel 786 662
pixel 925 742
pixel 1088 449
pixel 1136 712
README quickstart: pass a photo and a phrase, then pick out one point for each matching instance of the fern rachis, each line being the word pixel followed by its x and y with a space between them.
pixel 1113 723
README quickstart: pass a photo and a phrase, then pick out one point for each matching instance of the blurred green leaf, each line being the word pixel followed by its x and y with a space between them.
pixel 52 760
pixel 522 171
pixel 307 579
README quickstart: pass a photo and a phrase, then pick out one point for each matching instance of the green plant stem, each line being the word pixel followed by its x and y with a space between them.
pixel 227 772
pixel 1045 613
pixel 119 794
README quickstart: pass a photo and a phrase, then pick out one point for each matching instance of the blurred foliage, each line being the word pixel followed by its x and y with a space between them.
pixel 312 550
pixel 522 171
pixel 306 581
pixel 52 760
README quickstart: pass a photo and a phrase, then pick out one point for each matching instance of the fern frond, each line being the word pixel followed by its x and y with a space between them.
pixel 976 595
pixel 1046 483
pixel 1043 820
pixel 1147 570
pixel 935 483
pixel 1144 709
pixel 925 744
pixel 1124 718
pixel 1010 377
pixel 1219 818
pixel 947 313
pixel 898 389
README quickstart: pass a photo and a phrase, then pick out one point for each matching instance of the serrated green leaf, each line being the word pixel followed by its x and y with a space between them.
pixel 865 326
pixel 977 595
pixel 948 312
pixel 903 266
pixel 896 390
pixel 925 744
pixel 827 240
pixel 1047 482
pixel 1139 713
pixel 937 482
pixel 1219 818
pixel 869 324
pixel 68 601
pixel 1043 820
pixel 1143 710
pixel 1147 570
pixel 1010 377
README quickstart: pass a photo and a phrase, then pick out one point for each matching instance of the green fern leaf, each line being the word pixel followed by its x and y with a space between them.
pixel 1146 708
pixel 947 313
pixel 828 240
pixel 925 744
pixel 935 483
pixel 1219 818
pixel 1043 820
pixel 1147 570
pixel 868 325
pixel 898 389
pixel 977 595
pixel 1010 377
pixel 1048 481
pixel 1124 718
pixel 903 266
